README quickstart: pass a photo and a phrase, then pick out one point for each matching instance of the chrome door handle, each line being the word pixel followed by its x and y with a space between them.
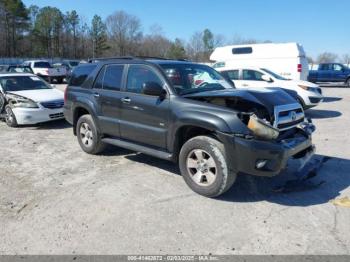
pixel 96 95
pixel 126 100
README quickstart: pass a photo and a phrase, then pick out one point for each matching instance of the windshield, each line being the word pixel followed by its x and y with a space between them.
pixel 274 74
pixel 42 65
pixel 22 83
pixel 194 78
pixel 19 69
pixel 73 63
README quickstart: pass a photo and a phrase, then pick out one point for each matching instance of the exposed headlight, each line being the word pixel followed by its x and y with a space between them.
pixel 18 101
pixel 305 87
pixel 262 129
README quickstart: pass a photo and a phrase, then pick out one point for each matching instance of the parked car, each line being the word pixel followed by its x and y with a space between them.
pixel 46 71
pixel 27 99
pixel 286 59
pixel 166 109
pixel 330 72
pixel 15 69
pixel 309 94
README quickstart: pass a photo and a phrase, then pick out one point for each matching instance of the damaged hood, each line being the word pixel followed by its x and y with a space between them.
pixel 42 95
pixel 267 97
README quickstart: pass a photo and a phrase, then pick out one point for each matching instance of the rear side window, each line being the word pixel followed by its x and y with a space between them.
pixel 325 67
pixel 252 75
pixel 242 50
pixel 80 74
pixel 113 77
pixel 42 65
pixel 231 74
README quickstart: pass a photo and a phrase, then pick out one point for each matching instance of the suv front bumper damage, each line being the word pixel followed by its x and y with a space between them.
pixel 268 158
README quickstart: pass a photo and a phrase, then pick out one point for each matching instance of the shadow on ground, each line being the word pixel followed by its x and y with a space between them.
pixel 58 124
pixel 322 114
pixel 330 99
pixel 329 180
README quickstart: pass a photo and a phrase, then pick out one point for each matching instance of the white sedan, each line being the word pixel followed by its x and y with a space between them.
pixel 309 94
pixel 27 99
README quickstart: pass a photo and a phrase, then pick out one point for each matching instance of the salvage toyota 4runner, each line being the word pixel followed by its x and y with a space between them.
pixel 187 113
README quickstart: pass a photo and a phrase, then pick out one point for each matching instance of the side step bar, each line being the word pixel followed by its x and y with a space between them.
pixel 138 148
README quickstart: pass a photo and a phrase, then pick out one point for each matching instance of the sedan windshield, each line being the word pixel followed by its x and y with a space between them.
pixel 194 78
pixel 274 74
pixel 22 83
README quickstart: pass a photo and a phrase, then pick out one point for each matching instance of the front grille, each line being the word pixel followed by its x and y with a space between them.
pixel 288 116
pixel 58 115
pixel 53 104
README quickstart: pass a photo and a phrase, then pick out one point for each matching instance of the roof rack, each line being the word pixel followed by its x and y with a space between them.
pixel 132 58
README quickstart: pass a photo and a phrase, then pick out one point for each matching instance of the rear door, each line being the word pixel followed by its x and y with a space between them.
pixel 107 94
pixel 339 73
pixel 252 79
pixel 144 118
pixel 324 73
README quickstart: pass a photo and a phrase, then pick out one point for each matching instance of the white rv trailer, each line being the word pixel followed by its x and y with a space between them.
pixel 286 59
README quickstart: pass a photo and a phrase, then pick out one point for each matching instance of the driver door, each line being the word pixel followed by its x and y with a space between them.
pixel 144 118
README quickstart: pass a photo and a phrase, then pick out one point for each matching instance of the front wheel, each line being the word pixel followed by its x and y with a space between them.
pixel 88 136
pixel 204 168
pixel 10 117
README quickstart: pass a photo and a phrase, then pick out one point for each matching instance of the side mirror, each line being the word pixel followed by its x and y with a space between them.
pixel 266 78
pixel 153 89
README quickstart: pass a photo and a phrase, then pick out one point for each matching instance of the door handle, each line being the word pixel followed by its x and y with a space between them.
pixel 126 100
pixel 96 95
pixel 245 85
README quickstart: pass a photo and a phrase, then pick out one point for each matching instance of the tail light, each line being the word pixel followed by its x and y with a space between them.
pixel 300 67
pixel 65 94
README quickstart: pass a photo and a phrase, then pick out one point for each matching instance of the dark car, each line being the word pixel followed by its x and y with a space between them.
pixel 189 114
pixel 15 69
pixel 330 72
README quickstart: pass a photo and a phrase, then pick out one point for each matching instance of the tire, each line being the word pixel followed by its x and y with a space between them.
pixel 347 83
pixel 60 80
pixel 10 117
pixel 203 166
pixel 88 137
pixel 2 103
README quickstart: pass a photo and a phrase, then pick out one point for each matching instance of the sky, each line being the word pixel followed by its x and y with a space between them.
pixel 318 25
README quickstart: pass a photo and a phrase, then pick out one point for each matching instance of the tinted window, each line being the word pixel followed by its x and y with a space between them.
pixel 113 77
pixel 252 75
pixel 325 67
pixel 232 74
pixel 138 75
pixel 99 80
pixel 242 50
pixel 80 74
pixel 42 65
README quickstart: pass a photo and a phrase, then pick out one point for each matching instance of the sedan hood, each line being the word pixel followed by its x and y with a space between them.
pixel 266 97
pixel 43 95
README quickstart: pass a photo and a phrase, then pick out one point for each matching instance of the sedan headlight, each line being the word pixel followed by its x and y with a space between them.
pixel 262 129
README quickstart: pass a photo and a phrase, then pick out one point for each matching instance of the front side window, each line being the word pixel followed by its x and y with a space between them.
pixel 113 77
pixel 138 75
pixel 194 78
pixel 252 75
pixel 337 67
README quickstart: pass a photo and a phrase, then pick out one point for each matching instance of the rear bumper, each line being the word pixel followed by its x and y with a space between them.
pixel 244 154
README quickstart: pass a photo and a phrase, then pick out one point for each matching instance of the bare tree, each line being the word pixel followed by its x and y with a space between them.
pixel 124 31
pixel 346 59
pixel 326 57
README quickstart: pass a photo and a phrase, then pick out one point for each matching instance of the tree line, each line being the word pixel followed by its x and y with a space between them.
pixel 48 32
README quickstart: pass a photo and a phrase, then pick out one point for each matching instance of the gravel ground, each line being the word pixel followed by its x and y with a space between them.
pixel 55 199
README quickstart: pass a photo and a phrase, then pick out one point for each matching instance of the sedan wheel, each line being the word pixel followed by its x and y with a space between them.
pixel 10 117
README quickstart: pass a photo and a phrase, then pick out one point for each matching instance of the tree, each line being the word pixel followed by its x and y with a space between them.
pixel 326 57
pixel 73 23
pixel 177 50
pixel 48 27
pixel 208 40
pixel 16 22
pixel 98 35
pixel 346 59
pixel 124 31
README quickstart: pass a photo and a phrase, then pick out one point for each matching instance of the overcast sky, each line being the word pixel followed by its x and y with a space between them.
pixel 318 25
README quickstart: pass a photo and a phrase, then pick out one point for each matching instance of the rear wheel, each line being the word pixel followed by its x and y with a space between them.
pixel 10 117
pixel 88 136
pixel 347 83
pixel 204 168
